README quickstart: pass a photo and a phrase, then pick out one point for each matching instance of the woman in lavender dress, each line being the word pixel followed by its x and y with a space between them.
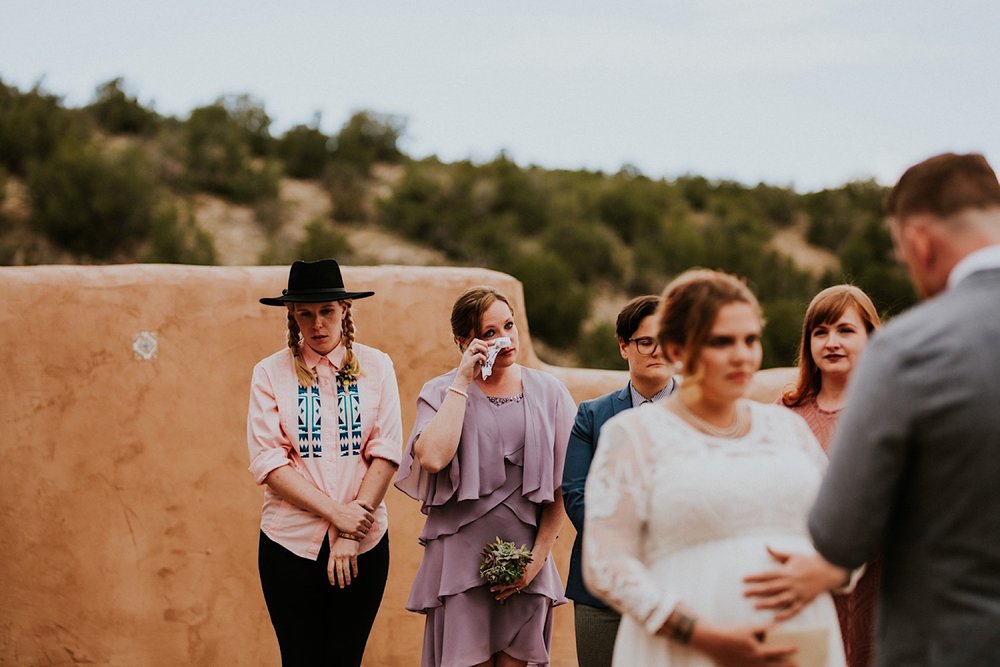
pixel 485 458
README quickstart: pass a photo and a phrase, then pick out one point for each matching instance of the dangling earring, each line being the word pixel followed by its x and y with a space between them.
pixel 678 367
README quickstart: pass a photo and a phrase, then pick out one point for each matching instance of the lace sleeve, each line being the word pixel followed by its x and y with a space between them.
pixel 617 493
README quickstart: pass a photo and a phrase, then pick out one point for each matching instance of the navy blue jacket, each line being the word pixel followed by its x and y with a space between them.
pixel 590 417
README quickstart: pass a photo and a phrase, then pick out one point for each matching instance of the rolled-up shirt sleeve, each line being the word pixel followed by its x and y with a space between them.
pixel 267 444
pixel 386 438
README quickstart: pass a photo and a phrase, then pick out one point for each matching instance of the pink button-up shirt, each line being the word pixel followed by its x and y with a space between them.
pixel 307 430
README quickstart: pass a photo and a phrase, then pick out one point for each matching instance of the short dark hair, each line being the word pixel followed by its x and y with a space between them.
pixel 943 186
pixel 632 315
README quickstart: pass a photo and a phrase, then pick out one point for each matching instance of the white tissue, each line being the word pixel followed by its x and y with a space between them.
pixel 492 351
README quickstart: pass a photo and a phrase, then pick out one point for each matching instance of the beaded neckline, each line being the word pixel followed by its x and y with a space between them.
pixel 503 400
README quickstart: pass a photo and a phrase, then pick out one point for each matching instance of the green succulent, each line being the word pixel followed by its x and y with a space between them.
pixel 504 562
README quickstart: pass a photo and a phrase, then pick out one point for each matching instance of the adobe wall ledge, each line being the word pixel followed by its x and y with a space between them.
pixel 130 521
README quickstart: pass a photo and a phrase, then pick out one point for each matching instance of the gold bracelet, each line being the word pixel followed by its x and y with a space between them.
pixel 348 536
pixel 458 391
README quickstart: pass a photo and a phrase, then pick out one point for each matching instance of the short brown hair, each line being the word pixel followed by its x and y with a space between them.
pixel 691 303
pixel 826 308
pixel 467 313
pixel 943 186
pixel 632 315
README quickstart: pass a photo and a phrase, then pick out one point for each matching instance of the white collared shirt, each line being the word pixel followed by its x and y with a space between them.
pixel 638 399
pixel 978 260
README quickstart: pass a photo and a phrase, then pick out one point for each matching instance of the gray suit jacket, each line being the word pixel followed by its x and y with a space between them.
pixel 915 473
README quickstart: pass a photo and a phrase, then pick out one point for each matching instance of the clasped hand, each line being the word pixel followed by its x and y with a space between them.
pixel 504 591
pixel 354 518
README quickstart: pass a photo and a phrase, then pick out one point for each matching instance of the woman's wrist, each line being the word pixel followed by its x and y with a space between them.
pixel 460 382
pixel 457 391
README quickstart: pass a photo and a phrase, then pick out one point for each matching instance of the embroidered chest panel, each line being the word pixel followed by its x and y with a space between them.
pixel 310 421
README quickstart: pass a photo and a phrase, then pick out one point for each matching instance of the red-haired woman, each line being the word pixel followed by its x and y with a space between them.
pixel 835 332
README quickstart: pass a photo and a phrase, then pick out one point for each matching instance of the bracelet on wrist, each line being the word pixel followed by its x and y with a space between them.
pixel 458 391
pixel 348 536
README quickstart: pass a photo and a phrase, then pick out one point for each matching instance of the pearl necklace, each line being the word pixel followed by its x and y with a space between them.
pixel 732 431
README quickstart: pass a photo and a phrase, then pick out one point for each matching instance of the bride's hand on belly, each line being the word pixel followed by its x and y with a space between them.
pixel 741 646
pixel 794 583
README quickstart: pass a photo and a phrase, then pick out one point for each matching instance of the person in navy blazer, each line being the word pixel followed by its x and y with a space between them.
pixel 650 379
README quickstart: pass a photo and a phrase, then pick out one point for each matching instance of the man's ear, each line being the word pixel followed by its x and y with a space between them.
pixel 623 349
pixel 922 241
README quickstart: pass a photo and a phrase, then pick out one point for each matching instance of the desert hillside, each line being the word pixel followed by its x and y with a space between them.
pixel 115 182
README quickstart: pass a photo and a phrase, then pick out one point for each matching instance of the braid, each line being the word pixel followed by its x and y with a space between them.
pixel 351 360
pixel 306 377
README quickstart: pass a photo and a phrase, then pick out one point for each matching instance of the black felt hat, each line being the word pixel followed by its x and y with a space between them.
pixel 314 282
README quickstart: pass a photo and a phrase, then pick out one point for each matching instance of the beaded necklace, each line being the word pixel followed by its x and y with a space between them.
pixel 734 430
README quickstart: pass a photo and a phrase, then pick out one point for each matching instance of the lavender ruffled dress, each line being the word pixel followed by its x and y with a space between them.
pixel 507 467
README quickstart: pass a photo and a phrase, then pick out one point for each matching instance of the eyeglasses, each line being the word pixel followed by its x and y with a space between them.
pixel 644 345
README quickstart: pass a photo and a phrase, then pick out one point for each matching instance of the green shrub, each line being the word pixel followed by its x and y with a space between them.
pixel 119 113
pixel 782 331
pixel 32 125
pixel 367 138
pixel 556 303
pixel 517 194
pixel 323 240
pixel 305 151
pixel 90 204
pixel 590 249
pixel 434 211
pixel 347 187
pixel 598 348
pixel 219 157
pixel 176 239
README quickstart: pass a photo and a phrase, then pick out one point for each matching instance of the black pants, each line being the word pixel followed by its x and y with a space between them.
pixel 319 625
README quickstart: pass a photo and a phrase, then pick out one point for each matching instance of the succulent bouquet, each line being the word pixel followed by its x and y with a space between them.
pixel 503 562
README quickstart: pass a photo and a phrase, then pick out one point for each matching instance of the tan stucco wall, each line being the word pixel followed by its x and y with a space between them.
pixel 128 521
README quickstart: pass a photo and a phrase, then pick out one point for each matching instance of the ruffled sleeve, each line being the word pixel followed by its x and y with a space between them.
pixel 477 468
pixel 550 414
pixel 474 471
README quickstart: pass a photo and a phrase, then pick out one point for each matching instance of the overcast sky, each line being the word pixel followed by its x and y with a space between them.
pixel 807 93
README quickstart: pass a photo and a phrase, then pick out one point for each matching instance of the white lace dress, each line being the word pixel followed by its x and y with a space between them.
pixel 674 515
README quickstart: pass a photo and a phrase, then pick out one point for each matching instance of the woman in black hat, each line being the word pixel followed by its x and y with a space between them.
pixel 325 436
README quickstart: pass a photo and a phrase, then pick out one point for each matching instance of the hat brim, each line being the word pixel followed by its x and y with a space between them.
pixel 319 296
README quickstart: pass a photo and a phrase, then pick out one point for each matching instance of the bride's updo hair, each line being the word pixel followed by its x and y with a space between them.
pixel 690 304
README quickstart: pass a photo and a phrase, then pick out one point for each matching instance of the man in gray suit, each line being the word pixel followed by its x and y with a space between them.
pixel 915 470
pixel 650 379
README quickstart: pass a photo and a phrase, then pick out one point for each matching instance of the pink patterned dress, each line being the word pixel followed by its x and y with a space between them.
pixel 856 610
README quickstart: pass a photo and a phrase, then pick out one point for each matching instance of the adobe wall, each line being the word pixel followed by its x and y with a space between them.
pixel 128 518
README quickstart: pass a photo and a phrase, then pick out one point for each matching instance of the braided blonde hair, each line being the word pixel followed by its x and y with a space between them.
pixel 351 363
pixel 306 377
